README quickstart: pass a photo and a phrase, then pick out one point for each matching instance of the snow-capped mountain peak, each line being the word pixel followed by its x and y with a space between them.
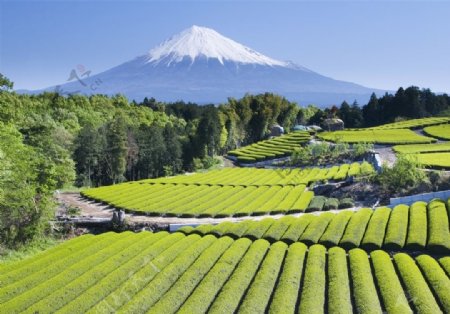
pixel 197 41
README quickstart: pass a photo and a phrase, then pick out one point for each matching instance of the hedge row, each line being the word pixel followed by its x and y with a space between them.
pixel 378 136
pixel 339 296
pixel 417 226
pixel 397 228
pixel 39 285
pixel 438 229
pixel 200 300
pixel 413 123
pixel 276 147
pixel 374 235
pixel 171 300
pixel 182 251
pixel 440 131
pixel 413 228
pixel 313 290
pixel 389 285
pixel 216 201
pixel 415 285
pixel 150 248
pixel 259 292
pixel 221 193
pixel 286 292
pixel 364 291
pixel 233 291
pixel 437 279
pixel 168 273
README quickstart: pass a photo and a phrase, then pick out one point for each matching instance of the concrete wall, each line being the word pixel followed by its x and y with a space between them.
pixel 426 197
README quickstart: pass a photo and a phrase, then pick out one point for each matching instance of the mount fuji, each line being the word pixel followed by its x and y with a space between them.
pixel 200 65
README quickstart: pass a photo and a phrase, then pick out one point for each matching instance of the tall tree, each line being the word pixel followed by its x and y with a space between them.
pixel 116 151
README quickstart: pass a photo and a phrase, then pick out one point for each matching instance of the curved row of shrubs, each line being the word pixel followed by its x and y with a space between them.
pixel 176 273
pixel 269 149
pixel 419 227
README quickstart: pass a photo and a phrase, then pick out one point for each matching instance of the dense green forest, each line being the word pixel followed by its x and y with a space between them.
pixel 49 141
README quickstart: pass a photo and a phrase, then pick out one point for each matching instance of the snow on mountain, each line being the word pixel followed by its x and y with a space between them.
pixel 197 41
pixel 200 65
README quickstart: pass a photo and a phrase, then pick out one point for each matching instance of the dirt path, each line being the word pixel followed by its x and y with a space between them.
pixel 89 209
pixel 387 155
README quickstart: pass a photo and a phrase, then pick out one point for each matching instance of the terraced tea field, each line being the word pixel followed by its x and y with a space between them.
pixel 168 273
pixel 223 193
pixel 269 149
pixel 435 160
pixel 412 124
pixel 419 227
pixel 422 148
pixel 378 136
pixel 440 131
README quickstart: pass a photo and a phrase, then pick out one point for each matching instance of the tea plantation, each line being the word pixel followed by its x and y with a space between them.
pixel 167 273
pixel 224 193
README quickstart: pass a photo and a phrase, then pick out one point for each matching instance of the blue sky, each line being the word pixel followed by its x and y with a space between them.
pixel 377 44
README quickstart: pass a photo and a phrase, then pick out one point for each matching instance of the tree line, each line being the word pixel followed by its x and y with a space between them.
pixel 409 103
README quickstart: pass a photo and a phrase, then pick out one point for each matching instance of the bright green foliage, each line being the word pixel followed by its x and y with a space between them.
pixel 207 290
pixel 258 228
pixel 437 279
pixel 413 123
pixel 339 297
pixel 364 291
pixel 164 280
pixel 28 177
pixel 297 228
pixel 258 295
pixel 185 285
pixel 276 147
pixel 391 290
pixel 401 227
pixel 316 228
pixel 441 131
pixel 435 160
pixel 422 148
pixel 313 290
pixel 438 230
pixel 379 136
pixel 286 293
pixel 404 174
pixel 183 251
pixel 417 227
pixel 397 228
pixel 278 228
pixel 96 293
pixel 168 273
pixel 415 285
pixel 374 236
pixel 40 285
pixel 356 227
pixel 218 193
pixel 232 293
pixel 335 230
pixel 445 263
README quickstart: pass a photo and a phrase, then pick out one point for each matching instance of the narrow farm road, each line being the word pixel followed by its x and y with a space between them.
pixel 387 155
pixel 90 209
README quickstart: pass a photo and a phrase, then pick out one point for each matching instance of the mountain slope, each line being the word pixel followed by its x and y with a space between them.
pixel 203 66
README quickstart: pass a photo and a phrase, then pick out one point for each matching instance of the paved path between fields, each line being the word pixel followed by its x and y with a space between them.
pixel 387 155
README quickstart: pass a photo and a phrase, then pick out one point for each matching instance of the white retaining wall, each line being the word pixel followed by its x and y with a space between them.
pixel 426 197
